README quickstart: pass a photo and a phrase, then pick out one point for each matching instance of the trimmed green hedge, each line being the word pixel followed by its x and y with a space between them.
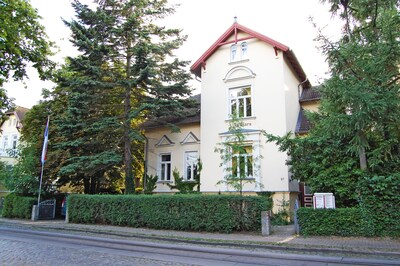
pixel 18 207
pixel 380 205
pixel 211 213
pixel 330 222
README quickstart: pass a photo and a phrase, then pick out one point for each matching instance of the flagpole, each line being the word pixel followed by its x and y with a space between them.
pixel 40 186
pixel 43 159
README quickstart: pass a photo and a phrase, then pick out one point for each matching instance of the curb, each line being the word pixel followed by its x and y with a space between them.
pixel 213 242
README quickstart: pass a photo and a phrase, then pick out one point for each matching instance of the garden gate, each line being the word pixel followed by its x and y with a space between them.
pixel 47 209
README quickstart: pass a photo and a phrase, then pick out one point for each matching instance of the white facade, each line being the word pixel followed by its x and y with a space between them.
pixel 10 135
pixel 259 79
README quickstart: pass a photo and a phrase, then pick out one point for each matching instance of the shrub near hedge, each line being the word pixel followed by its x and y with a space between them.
pixel 18 206
pixel 330 222
pixel 211 213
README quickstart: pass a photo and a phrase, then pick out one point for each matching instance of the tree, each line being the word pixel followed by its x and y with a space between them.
pixel 135 58
pixel 236 157
pixel 357 130
pixel 22 40
pixel 362 97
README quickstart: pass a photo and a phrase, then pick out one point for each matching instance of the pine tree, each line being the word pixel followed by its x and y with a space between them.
pixel 126 58
pixel 153 79
pixel 356 133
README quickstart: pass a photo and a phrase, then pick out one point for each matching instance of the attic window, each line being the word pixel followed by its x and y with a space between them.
pixel 243 47
pixel 233 52
pixel 239 54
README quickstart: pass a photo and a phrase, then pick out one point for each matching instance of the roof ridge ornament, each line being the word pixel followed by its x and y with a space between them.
pixel 235 19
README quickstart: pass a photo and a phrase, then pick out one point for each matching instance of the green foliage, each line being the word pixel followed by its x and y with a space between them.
pixel 23 177
pixel 330 222
pixel 282 216
pixel 18 207
pixel 150 184
pixel 378 213
pixel 231 151
pixel 23 40
pixel 211 213
pixel 357 129
pixel 380 205
pixel 184 186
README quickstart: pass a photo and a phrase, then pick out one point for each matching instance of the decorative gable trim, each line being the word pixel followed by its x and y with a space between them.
pixel 190 139
pixel 164 141
pixel 230 76
pixel 233 30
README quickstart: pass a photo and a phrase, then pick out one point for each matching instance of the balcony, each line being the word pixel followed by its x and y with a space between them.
pixel 8 153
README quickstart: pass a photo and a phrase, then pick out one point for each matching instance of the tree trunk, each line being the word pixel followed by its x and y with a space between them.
pixel 361 151
pixel 129 184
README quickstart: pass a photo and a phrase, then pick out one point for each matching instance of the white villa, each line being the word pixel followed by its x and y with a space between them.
pixel 10 133
pixel 262 82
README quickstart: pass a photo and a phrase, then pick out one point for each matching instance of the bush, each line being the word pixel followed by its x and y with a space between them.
pixel 211 213
pixel 380 205
pixel 330 222
pixel 18 206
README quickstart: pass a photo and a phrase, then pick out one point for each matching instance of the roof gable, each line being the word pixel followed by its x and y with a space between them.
pixel 234 30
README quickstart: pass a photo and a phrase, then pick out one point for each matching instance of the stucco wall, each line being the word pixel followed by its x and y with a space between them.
pixel 273 88
pixel 9 130
pixel 177 149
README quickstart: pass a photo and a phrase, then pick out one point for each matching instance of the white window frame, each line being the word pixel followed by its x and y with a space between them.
pixel 234 52
pixel 165 172
pixel 241 98
pixel 246 157
pixel 244 50
pixel 14 140
pixel 192 164
pixel 239 52
pixel 4 142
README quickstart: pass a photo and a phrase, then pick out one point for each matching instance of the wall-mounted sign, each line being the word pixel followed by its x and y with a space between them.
pixel 324 201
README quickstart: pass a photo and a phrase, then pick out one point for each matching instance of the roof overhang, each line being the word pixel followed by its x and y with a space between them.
pixel 233 30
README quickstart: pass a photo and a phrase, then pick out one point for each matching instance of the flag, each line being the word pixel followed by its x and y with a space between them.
pixel 45 141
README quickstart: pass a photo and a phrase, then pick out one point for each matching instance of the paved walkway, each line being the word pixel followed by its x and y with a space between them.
pixel 283 237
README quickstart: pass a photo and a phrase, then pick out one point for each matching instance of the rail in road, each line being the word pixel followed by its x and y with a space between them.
pixel 177 254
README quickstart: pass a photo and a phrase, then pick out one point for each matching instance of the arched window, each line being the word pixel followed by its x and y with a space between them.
pixel 233 52
pixel 243 47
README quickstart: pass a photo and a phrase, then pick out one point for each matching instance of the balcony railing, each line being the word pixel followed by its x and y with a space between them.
pixel 8 153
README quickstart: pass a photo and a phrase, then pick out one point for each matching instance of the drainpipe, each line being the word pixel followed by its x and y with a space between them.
pixel 146 150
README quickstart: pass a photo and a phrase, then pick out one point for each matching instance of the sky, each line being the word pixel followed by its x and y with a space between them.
pixel 204 21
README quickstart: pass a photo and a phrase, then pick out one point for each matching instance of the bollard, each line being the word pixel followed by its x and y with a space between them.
pixel 35 213
pixel 265 223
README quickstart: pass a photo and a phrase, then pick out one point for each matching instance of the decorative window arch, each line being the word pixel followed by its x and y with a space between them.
pixel 238 73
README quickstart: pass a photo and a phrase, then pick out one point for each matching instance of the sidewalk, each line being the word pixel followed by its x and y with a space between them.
pixel 282 238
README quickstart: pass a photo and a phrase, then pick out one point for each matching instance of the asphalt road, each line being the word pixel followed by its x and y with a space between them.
pixel 30 247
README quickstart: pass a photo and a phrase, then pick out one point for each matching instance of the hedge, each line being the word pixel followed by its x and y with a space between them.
pixel 211 213
pixel 330 222
pixel 380 205
pixel 17 206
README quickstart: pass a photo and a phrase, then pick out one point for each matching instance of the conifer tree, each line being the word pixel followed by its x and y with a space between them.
pixel 357 129
pixel 126 58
